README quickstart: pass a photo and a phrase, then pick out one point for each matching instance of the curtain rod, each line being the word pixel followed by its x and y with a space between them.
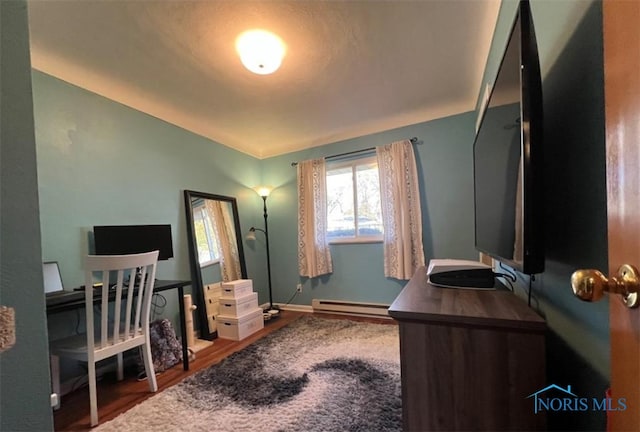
pixel 413 140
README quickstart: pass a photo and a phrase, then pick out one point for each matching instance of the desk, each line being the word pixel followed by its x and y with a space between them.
pixel 468 358
pixel 75 300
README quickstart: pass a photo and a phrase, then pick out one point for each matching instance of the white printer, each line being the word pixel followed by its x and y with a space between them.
pixel 453 273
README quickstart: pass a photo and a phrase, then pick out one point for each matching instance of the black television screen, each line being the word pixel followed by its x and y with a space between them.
pixel 130 239
pixel 507 157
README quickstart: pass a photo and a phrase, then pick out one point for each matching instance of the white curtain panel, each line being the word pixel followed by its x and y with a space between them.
pixel 226 234
pixel 314 257
pixel 401 214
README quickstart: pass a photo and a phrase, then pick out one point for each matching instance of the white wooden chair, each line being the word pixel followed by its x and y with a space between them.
pixel 123 325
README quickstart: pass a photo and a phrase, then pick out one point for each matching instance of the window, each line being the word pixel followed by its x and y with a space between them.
pixel 206 238
pixel 353 201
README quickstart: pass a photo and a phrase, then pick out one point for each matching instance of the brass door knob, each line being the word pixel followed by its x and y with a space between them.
pixel 590 285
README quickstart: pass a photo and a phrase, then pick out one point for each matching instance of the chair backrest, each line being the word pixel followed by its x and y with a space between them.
pixel 131 295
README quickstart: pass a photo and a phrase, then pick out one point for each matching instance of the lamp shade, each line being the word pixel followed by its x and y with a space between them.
pixel 260 51
pixel 263 191
pixel 251 236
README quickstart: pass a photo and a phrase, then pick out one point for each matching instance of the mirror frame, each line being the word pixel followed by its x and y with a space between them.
pixel 197 287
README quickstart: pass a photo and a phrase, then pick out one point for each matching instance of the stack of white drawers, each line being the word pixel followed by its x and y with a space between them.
pixel 212 293
pixel 239 313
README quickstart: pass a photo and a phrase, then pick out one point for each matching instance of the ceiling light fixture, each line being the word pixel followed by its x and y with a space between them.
pixel 260 51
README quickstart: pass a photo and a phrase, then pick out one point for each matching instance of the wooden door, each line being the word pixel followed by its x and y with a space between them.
pixel 622 110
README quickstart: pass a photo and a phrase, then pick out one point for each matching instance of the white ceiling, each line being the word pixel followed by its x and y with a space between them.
pixel 352 67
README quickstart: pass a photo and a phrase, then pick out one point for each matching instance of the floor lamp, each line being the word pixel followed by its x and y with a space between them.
pixel 264 193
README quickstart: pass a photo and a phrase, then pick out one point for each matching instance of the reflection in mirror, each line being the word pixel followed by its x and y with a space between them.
pixel 215 250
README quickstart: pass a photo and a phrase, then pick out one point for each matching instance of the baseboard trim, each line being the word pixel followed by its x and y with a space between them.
pixel 296 308
pixel 346 311
pixel 289 307
pixel 350 308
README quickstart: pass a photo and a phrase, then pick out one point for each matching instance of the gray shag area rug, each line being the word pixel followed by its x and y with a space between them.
pixel 315 374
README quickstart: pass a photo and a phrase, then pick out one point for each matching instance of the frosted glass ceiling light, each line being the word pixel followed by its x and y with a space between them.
pixel 260 51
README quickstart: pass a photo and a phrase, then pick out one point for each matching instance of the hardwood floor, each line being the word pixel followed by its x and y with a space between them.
pixel 116 397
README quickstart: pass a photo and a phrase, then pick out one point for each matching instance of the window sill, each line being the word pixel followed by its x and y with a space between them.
pixel 209 263
pixel 356 240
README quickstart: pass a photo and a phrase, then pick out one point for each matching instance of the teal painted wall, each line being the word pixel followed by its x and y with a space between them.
pixel 444 160
pixel 24 372
pixel 569 35
pixel 102 163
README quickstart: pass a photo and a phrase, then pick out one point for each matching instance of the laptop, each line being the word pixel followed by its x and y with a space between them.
pixel 52 279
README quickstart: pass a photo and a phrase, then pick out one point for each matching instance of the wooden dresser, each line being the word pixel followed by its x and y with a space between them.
pixel 469 358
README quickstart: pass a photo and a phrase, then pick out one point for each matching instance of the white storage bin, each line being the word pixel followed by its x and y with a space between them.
pixel 240 327
pixel 235 307
pixel 213 322
pixel 237 288
pixel 212 306
pixel 212 293
pixel 213 290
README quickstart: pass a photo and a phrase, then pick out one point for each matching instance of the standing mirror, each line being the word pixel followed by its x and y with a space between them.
pixel 215 248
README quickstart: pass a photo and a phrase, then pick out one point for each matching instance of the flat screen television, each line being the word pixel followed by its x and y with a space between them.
pixel 131 239
pixel 507 157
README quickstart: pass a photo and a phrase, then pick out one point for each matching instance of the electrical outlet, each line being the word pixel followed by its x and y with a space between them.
pixel 299 288
pixel 55 400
